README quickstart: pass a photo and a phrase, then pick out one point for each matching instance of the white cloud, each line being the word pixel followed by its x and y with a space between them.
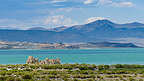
pixel 88 2
pixel 66 10
pixel 59 20
pixel 92 19
pixel 58 1
pixel 75 3
pixel 116 3
pixel 123 4
pixel 39 3
pixel 103 2
pixel 46 22
pixel 44 2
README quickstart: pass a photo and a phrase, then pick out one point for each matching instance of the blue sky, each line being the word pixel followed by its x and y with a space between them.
pixel 23 14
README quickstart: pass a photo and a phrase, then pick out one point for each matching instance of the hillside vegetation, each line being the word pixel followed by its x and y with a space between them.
pixel 72 72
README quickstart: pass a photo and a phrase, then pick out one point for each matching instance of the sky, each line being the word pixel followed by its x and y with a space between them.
pixel 23 14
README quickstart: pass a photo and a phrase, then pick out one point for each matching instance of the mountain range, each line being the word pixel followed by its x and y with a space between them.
pixel 97 31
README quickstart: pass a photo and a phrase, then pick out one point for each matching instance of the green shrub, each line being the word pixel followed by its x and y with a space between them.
pixel 3 78
pixel 65 79
pixel 131 79
pixel 90 79
pixel 83 67
pixel 27 76
pixel 101 67
pixel 3 73
pixel 18 79
pixel 10 79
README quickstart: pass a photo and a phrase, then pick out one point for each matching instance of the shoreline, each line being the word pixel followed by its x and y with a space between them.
pixel 73 49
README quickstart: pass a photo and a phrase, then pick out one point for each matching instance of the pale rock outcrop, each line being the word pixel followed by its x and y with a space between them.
pixel 32 60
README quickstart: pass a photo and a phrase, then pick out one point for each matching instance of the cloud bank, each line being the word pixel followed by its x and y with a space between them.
pixel 46 22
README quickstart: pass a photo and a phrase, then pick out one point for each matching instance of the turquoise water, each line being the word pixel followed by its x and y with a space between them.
pixel 88 56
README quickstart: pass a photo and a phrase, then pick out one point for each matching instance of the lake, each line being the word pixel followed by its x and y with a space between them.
pixel 88 56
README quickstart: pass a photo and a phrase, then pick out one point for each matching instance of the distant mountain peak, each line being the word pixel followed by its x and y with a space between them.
pixel 132 25
pixel 136 23
pixel 103 22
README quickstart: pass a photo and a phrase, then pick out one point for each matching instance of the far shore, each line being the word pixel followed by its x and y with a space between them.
pixel 76 49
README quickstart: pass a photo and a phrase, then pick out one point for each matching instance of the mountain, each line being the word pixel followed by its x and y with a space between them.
pixel 130 25
pixel 106 45
pixel 98 31
pixel 110 44
pixel 37 28
pixel 58 29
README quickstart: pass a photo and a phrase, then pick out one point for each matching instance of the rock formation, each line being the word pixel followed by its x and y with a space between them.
pixel 50 61
pixel 32 60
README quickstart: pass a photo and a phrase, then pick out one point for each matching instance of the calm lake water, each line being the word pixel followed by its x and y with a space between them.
pixel 88 56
